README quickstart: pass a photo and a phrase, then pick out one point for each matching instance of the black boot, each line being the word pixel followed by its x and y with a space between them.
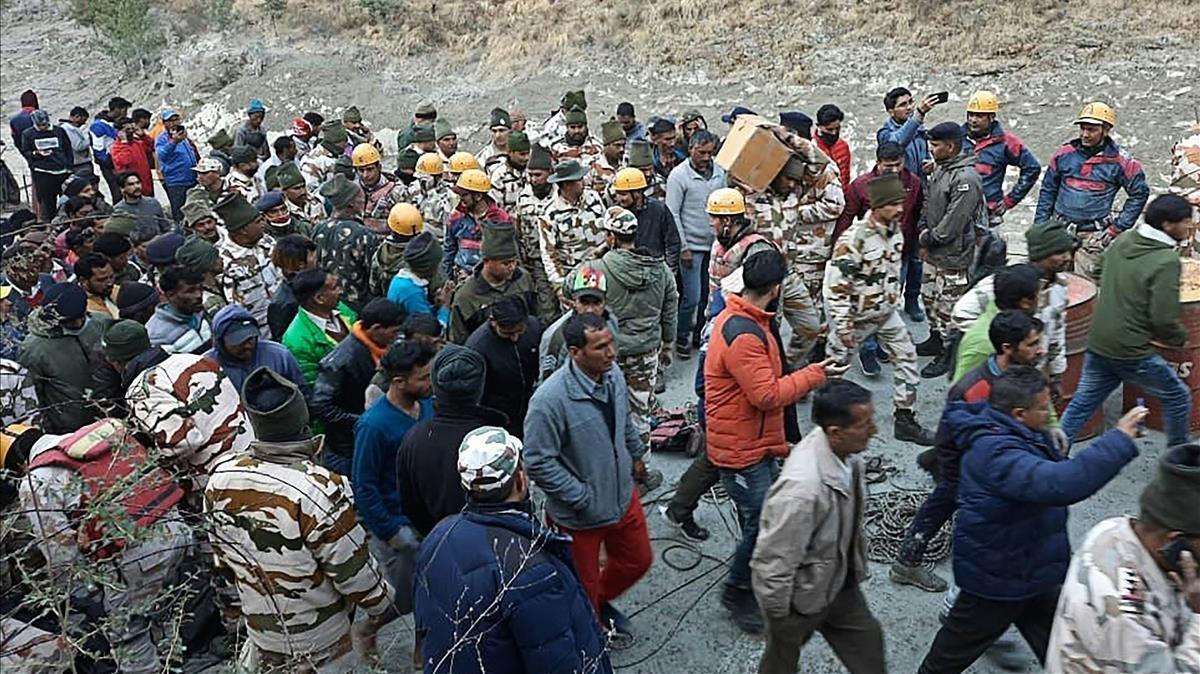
pixel 743 609
pixel 938 366
pixel 928 462
pixel 931 346
pixel 906 429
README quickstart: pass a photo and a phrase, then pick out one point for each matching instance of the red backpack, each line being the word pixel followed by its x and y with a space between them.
pixel 115 469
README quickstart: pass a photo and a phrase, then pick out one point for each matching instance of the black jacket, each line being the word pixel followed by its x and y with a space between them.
pixel 512 371
pixel 282 310
pixel 339 394
pixel 657 232
pixel 427 462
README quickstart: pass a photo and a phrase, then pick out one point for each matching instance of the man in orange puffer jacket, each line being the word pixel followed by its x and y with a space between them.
pixel 745 392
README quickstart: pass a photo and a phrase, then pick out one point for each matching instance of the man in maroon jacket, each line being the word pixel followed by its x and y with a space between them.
pixel 889 158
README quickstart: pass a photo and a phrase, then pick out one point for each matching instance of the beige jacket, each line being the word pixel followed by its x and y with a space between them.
pixel 800 560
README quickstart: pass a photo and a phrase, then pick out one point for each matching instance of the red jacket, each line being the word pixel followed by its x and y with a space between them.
pixel 745 389
pixel 839 152
pixel 857 205
pixel 133 156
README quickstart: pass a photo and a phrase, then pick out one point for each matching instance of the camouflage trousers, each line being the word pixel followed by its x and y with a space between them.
pixel 940 289
pixel 801 313
pixel 548 307
pixel 814 280
pixel 640 370
pixel 892 335
pixel 1087 257
pixel 340 658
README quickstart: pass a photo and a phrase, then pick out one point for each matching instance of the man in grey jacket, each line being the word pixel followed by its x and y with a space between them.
pixel 582 451
pixel 811 552
pixel 954 206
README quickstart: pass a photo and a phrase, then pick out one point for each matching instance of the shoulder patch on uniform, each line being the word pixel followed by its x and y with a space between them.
pixel 1132 591
pixel 964 187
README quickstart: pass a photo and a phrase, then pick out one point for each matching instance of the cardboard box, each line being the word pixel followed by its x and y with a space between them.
pixel 752 154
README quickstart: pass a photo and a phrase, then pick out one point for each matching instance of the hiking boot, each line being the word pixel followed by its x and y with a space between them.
pixel 882 356
pixel 914 311
pixel 917 576
pixel 683 350
pixel 743 609
pixel 1007 654
pixel 938 366
pixel 928 462
pixel 868 361
pixel 687 526
pixel 907 429
pixel 653 480
pixel 932 346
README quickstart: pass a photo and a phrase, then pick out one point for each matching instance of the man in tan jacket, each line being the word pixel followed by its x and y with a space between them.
pixel 810 556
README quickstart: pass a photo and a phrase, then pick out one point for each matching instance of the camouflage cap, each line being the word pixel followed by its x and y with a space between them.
pixel 289 175
pixel 488 458
pixel 220 140
pixel 195 209
pixel 640 154
pixel 574 99
pixel 500 119
pixel 423 133
pixel 518 141
pixel 575 115
pixel 611 131
pixel 620 221
pixel 235 211
pixel 539 157
pixel 442 128
pixel 352 115
pixel 691 116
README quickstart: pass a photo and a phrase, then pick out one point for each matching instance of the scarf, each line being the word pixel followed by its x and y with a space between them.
pixel 361 335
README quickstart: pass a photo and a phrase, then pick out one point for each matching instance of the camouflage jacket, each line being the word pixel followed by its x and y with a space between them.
pixel 601 178
pixel 570 234
pixel 287 530
pixel 193 412
pixel 436 202
pixel 862 279
pixel 552 130
pixel 586 153
pixel 311 212
pixel 18 398
pixel 527 217
pixel 345 247
pixel 380 200
pixel 198 191
pixel 1118 612
pixel 489 157
pixel 235 181
pixel 507 184
pixel 1185 181
pixel 317 165
pixel 801 223
pixel 249 279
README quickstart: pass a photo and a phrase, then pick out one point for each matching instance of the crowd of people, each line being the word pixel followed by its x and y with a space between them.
pixel 340 390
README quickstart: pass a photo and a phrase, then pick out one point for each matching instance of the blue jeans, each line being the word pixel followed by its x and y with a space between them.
pixel 911 271
pixel 1153 375
pixel 177 195
pixel 748 489
pixel 693 297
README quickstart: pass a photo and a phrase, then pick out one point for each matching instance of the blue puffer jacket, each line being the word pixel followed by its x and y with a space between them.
pixel 517 616
pixel 1010 538
pixel 175 160
pixel 1082 189
pixel 993 154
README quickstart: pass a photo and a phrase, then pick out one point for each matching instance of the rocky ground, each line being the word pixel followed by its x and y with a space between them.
pixel 1042 77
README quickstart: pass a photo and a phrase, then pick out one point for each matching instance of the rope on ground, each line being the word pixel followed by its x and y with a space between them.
pixel 889 514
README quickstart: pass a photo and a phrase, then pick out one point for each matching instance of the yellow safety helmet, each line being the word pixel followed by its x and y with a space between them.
pixel 430 164
pixel 473 180
pixel 983 101
pixel 461 161
pixel 726 201
pixel 364 154
pixel 1097 113
pixel 8 437
pixel 405 220
pixel 628 179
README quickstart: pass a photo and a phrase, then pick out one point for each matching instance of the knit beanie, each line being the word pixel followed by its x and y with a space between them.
pixel 423 255
pixel 220 140
pixel 441 129
pixel 333 133
pixel 241 154
pixel 458 375
pixel 1047 238
pixel 345 168
pixel 133 298
pixel 289 175
pixel 499 118
pixel 111 244
pixel 339 191
pixel 235 211
pixel 271 178
pixel 518 141
pixel 161 249
pixel 423 133
pixel 66 301
pixel 275 406
pixel 640 154
pixel 121 223
pixel 124 340
pixel 352 115
pixel 1172 499
pixel 574 99
pixel 408 160
pixel 499 241
pixel 196 253
pixel 885 190
pixel 539 157
pixel 611 131
pixel 575 115
pixel 794 168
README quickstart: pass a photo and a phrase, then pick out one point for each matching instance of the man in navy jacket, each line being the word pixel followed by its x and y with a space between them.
pixel 1011 549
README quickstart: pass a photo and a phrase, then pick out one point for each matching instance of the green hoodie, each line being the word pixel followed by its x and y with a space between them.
pixel 1139 297
pixel 642 296
pixel 61 368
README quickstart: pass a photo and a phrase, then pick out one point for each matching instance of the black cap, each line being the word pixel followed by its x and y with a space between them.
pixel 952 131
pixel 508 311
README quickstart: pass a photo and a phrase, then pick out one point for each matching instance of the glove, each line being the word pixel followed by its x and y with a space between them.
pixel 1061 442
pixel 406 540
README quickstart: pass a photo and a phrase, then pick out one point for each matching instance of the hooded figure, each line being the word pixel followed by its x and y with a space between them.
pixel 233 331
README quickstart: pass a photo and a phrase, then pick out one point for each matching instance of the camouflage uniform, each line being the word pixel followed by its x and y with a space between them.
pixel 552 130
pixel 569 234
pixel 779 216
pixel 214 300
pixel 490 157
pixel 1118 611
pixel 198 192
pixel 317 166
pixel 249 279
pixel 1185 181
pixel 527 221
pixel 507 184
pixel 387 260
pixel 380 200
pixel 18 398
pixel 435 201
pixel 862 291
pixel 287 530
pixel 312 211
pixel 586 153
pixel 601 178
pixel 346 247
pixel 236 181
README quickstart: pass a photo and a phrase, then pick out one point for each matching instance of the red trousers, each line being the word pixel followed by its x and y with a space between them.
pixel 627 554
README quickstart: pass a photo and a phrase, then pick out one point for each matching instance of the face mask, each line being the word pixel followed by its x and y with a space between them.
pixel 280 219
pixel 828 138
pixel 542 191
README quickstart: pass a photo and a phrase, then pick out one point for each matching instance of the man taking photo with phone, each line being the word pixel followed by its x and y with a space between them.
pixel 1131 601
